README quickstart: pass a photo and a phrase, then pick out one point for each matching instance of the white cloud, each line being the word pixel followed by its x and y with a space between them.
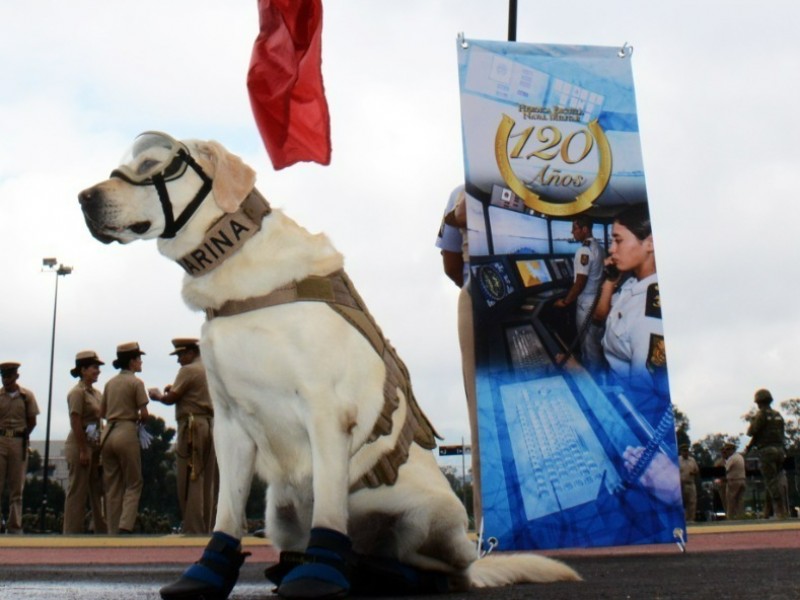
pixel 716 93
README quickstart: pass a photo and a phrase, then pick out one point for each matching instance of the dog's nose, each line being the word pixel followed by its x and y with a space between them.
pixel 89 196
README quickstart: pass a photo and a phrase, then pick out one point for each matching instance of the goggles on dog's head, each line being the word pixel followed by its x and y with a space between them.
pixel 152 153
pixel 154 159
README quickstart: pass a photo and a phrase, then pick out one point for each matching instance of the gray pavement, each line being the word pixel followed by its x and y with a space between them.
pixel 737 562
pixel 761 574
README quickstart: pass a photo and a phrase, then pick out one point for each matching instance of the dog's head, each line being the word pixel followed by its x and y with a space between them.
pixel 159 185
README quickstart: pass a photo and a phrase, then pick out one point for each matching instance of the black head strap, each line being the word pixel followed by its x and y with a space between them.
pixel 166 207
pixel 171 224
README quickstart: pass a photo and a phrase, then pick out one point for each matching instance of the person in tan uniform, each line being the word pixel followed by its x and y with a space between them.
pixel 720 485
pixel 124 405
pixel 735 481
pixel 197 463
pixel 18 410
pixel 82 448
pixel 689 473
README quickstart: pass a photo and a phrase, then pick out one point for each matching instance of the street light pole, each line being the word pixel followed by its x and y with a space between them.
pixel 60 271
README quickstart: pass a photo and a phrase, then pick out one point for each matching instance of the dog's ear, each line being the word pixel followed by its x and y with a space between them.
pixel 232 178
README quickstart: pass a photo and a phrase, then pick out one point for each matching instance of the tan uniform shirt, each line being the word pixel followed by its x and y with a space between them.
pixel 734 467
pixel 123 396
pixel 191 389
pixel 689 469
pixel 85 401
pixel 13 415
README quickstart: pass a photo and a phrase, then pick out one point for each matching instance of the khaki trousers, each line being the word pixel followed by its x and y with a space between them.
pixel 770 461
pixel 85 483
pixel 466 340
pixel 122 476
pixel 734 502
pixel 12 472
pixel 689 493
pixel 197 493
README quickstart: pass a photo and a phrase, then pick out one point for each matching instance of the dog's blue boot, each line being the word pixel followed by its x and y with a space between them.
pixel 324 571
pixel 213 576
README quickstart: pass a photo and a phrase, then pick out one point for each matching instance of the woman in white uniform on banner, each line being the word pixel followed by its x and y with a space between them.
pixel 633 343
pixel 630 305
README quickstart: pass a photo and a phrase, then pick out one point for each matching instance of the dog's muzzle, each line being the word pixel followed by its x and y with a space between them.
pixel 93 205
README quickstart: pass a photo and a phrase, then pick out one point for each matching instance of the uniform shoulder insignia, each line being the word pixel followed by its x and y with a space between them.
pixel 652 307
pixel 657 354
pixel 584 259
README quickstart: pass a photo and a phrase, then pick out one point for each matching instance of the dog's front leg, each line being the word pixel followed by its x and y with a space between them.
pixel 236 457
pixel 215 574
pixel 325 574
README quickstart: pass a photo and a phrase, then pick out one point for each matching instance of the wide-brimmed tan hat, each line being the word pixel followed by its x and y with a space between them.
pixel 182 344
pixel 85 358
pixel 129 348
pixel 8 367
pixel 125 352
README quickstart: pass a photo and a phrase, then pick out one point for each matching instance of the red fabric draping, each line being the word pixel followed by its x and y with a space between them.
pixel 285 82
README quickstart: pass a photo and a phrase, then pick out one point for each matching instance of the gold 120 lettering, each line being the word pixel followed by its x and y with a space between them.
pixel 548 143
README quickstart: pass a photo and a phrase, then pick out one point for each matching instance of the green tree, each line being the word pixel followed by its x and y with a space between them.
pixel 159 495
pixel 681 426
pixel 791 414
pixel 708 449
pixel 32 498
pixel 35 461
pixel 461 488
pixel 256 506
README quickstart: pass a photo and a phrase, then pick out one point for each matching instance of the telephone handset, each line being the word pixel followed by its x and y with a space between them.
pixel 611 272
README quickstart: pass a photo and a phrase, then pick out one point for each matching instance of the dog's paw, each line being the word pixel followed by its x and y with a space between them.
pixel 324 572
pixel 213 576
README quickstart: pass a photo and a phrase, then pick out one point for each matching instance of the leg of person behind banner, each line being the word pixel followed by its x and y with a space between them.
pixel 466 338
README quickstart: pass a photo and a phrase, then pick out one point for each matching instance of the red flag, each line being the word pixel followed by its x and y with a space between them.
pixel 285 82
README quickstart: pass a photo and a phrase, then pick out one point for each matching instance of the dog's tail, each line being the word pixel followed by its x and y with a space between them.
pixel 504 569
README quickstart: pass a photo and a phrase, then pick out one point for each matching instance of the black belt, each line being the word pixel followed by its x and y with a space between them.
pixel 12 433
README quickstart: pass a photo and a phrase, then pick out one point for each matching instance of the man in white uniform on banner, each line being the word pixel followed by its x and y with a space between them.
pixel 584 291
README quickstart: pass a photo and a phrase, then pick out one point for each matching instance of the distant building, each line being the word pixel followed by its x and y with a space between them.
pixel 60 472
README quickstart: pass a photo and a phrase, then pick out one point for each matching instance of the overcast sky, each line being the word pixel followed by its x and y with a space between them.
pixel 716 86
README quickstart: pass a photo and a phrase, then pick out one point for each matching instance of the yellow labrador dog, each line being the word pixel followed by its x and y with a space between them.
pixel 307 392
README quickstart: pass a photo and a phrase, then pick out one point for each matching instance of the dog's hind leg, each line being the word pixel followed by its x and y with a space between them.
pixel 289 516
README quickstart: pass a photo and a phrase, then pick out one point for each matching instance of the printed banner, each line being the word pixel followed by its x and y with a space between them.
pixel 577 440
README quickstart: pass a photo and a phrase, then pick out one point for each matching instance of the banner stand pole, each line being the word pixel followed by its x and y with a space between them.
pixel 512 20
